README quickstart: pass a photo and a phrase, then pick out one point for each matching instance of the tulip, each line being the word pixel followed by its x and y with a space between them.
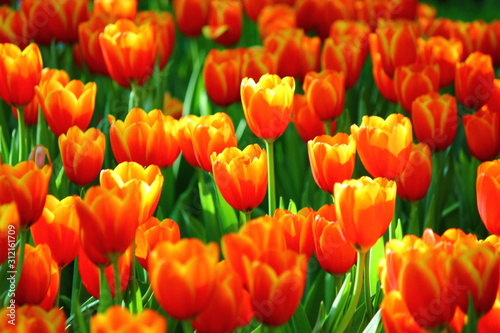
pixel 488 190
pixel 413 81
pixel 305 13
pixel 27 185
pixel 257 61
pixel 129 51
pixel 267 105
pixel 330 11
pixel 108 221
pixel 384 146
pixel 274 18
pixel 182 276
pixel 121 9
pixel 416 178
pixel 9 228
pixel 82 154
pixel 241 176
pixel 172 106
pixel 426 15
pixel 482 133
pixel 211 135
pixel 332 159
pixel 297 229
pixel 117 318
pixel 191 16
pixel 186 126
pixel 225 20
pixel 151 233
pixel 53 292
pixel 470 35
pixel 20 72
pixel 494 101
pixel 489 322
pixel 444 53
pixel 435 120
pixel 35 319
pixel 59 228
pixel 474 80
pixel 221 75
pixel 365 208
pixel 307 122
pixel 384 83
pixel 145 138
pixel 15 28
pixel 67 105
pixel 254 7
pixel 333 253
pixel 325 92
pixel 35 275
pixel 395 315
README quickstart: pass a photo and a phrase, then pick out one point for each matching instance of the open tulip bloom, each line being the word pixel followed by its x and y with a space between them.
pixel 244 166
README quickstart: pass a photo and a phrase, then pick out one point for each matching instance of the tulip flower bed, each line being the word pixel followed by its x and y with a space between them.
pixel 250 166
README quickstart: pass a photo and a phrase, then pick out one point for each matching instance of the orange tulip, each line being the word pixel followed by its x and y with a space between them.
pixel 426 14
pixel 241 176
pixel 333 253
pixel 494 101
pixel 132 177
pixel 444 53
pixel 145 138
pixel 384 146
pixel 82 154
pixel 491 44
pixel 129 51
pixel 151 233
pixel 254 7
pixel 228 298
pixel 488 190
pixel 20 72
pixel 35 275
pixel 306 12
pixel 172 106
pixel 191 16
pixel 397 44
pixel 365 208
pixel 53 291
pixel 31 318
pixel 122 9
pixel 225 20
pixel 474 80
pixel 59 228
pixel 117 318
pixel 276 283
pixel 295 53
pixel 482 131
pixel 307 122
pixel 27 185
pixel 221 75
pixel 182 276
pixel 9 228
pixel 91 277
pixel 14 28
pixel 395 315
pixel 470 34
pixel 267 105
pixel 332 159
pixel 108 221
pixel 274 18
pixel 325 92
pixel 416 177
pixel 435 120
pixel 330 11
pixel 257 61
pixel 413 81
pixel 384 83
pixel 211 135
pixel 67 105
pixel 185 137
pixel 297 229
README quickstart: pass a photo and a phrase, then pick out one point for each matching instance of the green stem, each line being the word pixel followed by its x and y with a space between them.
pixel 248 216
pixel 76 310
pixel 358 283
pixel 368 299
pixel 118 288
pixel 136 304
pixel 133 100
pixel 105 294
pixel 338 282
pixel 21 134
pixel 23 236
pixel 271 188
pixel 328 129
pixel 414 227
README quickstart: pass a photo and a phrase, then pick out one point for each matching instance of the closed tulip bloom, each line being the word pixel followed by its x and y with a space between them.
pixel 191 16
pixel 482 131
pixel 384 146
pixel 108 221
pixel 305 13
pixel 241 176
pixel 225 21
pixel 365 208
pixel 145 138
pixel 254 7
pixel 221 75
pixel 151 233
pixel 330 11
pixel 306 122
pixel 9 228
pixel 182 276
pixel 121 9
pixel 395 315
pixel 385 83
pixel 14 29
pixel 325 92
pixel 82 154
pixel 470 35
pixel 332 159
pixel 275 17
pixel 211 135
pixel 297 229
pixel 132 177
pixel 129 51
pixel 32 318
pixel 186 126
pixel 474 80
pixel 426 15
pixel 445 53
pixel 53 291
pixel 117 319
pixel 413 81
pixel 494 101
pixel 333 253
pixel 67 105
pixel 487 191
pixel 35 275
pixel 257 61
pixel 90 275
pixel 267 105
pixel 59 228
pixel 435 119
pixel 172 106
pixel 27 185
pixel 416 177
pixel 277 278
pixel 20 72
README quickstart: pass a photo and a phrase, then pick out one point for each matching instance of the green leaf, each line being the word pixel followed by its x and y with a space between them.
pixel 292 206
pixel 227 215
pixel 339 304
pixel 299 321
pixel 377 253
pixel 318 327
pixel 472 319
pixel 399 230
pixel 374 323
